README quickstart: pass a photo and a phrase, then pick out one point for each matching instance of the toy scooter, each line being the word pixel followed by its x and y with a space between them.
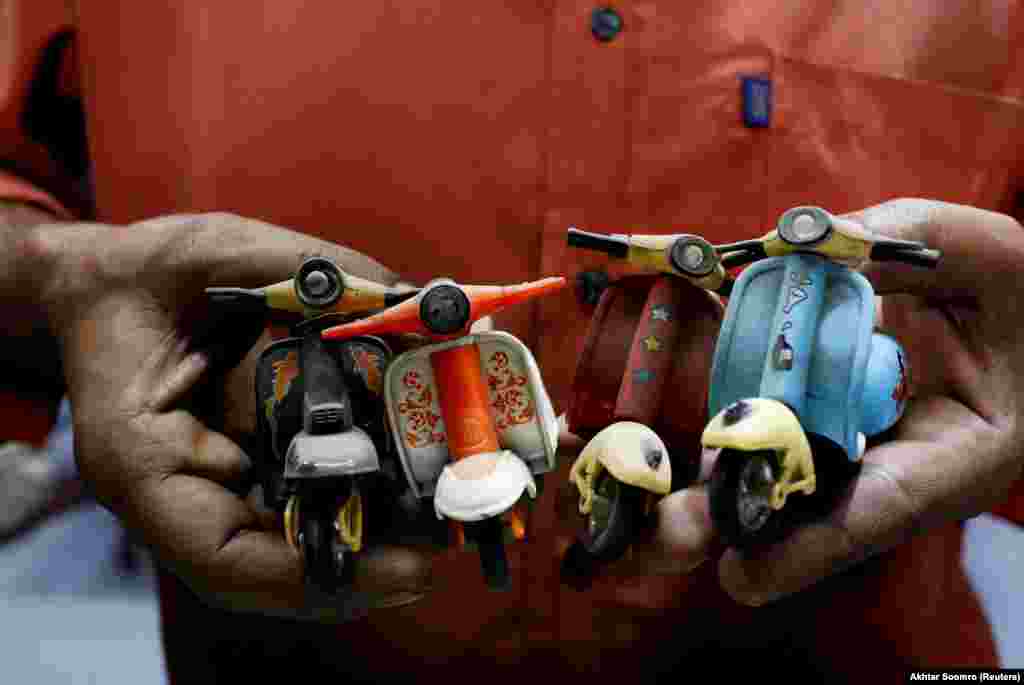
pixel 639 395
pixel 800 379
pixel 321 425
pixel 474 398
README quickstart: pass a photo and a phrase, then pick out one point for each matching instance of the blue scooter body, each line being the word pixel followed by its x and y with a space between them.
pixel 800 329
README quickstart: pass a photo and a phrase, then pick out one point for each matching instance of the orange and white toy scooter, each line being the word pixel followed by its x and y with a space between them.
pixel 475 399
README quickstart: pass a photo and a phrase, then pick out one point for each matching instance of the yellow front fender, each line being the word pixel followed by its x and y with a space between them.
pixel 763 424
pixel 631 452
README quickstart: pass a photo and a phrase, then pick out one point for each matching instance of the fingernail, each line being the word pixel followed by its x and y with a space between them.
pixel 197 360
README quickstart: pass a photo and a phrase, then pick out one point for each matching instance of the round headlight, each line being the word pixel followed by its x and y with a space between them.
pixel 319 283
pixel 805 225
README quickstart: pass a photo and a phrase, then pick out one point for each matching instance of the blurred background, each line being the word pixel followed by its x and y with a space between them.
pixel 77 596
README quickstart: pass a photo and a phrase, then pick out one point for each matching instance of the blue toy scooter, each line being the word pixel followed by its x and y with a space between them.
pixel 800 379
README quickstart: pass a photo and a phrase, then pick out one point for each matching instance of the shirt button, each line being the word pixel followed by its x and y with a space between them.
pixel 605 23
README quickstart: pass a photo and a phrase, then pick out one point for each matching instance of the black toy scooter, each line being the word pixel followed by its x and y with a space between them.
pixel 322 425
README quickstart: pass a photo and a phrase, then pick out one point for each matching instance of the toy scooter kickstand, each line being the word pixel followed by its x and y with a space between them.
pixel 498 430
pixel 316 443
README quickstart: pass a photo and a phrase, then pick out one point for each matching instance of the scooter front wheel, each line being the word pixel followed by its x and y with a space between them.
pixel 616 516
pixel 325 553
pixel 740 498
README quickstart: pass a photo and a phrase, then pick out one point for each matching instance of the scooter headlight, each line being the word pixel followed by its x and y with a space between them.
pixel 802 226
pixel 319 283
pixel 693 256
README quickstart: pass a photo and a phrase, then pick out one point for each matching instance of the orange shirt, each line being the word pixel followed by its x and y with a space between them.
pixel 462 139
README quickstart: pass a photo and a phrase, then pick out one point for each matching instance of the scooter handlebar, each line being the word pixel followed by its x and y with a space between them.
pixel 445 309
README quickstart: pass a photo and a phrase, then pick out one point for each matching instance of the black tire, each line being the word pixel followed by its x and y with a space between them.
pixel 327 560
pixel 736 473
pixel 608 540
pixel 605 538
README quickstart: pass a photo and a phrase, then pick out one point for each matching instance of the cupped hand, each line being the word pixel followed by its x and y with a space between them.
pixel 117 298
pixel 955 453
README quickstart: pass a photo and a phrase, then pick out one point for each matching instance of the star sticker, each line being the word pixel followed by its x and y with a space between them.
pixel 661 313
pixel 652 343
pixel 643 375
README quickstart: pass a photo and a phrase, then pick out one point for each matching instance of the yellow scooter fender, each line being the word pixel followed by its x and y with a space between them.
pixel 631 452
pixel 763 424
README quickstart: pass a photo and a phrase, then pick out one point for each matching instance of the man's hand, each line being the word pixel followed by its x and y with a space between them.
pixel 116 298
pixel 954 454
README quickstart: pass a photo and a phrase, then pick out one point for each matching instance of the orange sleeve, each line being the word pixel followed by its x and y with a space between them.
pixel 29 172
